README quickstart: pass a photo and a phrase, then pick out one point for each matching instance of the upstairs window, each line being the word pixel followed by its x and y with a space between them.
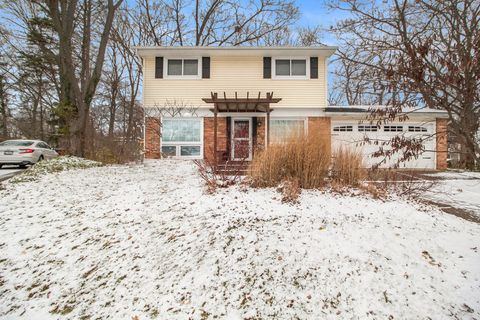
pixel 393 128
pixel 290 68
pixel 183 68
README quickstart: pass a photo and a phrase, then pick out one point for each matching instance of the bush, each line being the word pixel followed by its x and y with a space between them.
pixel 348 168
pixel 54 165
pixel 302 158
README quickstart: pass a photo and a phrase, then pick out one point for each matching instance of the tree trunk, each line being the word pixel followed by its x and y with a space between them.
pixel 3 109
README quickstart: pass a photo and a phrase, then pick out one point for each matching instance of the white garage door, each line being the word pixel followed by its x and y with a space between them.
pixel 352 134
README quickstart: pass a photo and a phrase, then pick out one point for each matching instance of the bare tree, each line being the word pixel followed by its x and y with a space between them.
pixel 79 77
pixel 419 54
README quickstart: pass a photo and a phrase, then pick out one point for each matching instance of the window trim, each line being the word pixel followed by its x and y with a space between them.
pixel 367 128
pixel 421 128
pixel 391 126
pixel 290 77
pixel 344 126
pixel 179 144
pixel 183 77
pixel 304 119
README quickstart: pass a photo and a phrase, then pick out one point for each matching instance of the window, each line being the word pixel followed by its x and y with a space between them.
pixel 393 128
pixel 342 128
pixel 417 129
pixel 43 145
pixel 282 129
pixel 16 143
pixel 182 68
pixel 182 138
pixel 365 128
pixel 291 68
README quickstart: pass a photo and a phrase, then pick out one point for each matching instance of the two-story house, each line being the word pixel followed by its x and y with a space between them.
pixel 245 98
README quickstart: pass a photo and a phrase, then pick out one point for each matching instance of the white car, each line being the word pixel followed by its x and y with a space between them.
pixel 24 152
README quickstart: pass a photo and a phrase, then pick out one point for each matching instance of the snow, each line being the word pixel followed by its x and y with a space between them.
pixel 459 189
pixel 121 242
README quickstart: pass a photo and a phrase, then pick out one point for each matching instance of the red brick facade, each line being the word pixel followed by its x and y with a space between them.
pixel 259 140
pixel 442 145
pixel 208 134
pixel 152 138
pixel 322 127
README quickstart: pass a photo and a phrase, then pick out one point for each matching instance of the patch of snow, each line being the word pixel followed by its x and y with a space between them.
pixel 122 241
pixel 460 189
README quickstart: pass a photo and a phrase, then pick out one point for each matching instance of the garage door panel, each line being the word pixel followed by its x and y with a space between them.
pixel 353 140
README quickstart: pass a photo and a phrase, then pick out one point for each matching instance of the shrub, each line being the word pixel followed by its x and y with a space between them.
pixel 290 190
pixel 55 165
pixel 348 168
pixel 302 158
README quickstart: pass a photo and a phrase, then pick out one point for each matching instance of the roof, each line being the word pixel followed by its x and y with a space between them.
pixel 337 110
pixel 323 51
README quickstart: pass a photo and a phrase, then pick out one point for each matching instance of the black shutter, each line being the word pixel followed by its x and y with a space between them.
pixel 313 67
pixel 229 137
pixel 159 67
pixel 267 67
pixel 205 67
pixel 254 133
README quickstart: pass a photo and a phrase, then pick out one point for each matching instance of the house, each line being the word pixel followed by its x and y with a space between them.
pixel 246 98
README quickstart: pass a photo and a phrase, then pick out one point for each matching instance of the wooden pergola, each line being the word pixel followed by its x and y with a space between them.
pixel 239 105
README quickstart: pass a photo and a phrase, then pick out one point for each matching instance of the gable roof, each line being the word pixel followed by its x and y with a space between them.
pixel 322 51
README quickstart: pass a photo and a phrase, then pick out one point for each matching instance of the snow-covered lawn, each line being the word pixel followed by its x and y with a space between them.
pixel 144 241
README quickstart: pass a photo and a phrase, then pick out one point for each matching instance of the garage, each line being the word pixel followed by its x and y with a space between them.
pixel 352 135
pixel 350 129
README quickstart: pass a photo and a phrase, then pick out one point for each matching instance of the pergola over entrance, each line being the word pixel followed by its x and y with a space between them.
pixel 242 105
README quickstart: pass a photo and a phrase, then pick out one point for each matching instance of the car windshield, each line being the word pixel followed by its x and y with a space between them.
pixel 16 143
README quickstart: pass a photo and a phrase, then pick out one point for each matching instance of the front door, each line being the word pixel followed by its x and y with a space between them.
pixel 242 139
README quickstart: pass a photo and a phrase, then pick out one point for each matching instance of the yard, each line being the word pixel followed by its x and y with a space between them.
pixel 141 242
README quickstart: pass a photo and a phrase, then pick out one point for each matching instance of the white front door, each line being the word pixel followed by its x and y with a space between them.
pixel 241 138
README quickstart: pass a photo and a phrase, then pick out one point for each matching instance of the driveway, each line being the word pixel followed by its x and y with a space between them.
pixel 456 192
pixel 7 172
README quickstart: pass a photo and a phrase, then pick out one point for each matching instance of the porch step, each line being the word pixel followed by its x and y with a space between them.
pixel 232 168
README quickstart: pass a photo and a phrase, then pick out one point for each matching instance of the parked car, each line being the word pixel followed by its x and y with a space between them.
pixel 24 152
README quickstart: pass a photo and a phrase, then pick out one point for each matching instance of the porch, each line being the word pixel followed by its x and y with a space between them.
pixel 238 129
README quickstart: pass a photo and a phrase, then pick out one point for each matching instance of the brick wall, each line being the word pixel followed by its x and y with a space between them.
pixel 152 138
pixel 442 145
pixel 321 126
pixel 260 139
pixel 208 135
